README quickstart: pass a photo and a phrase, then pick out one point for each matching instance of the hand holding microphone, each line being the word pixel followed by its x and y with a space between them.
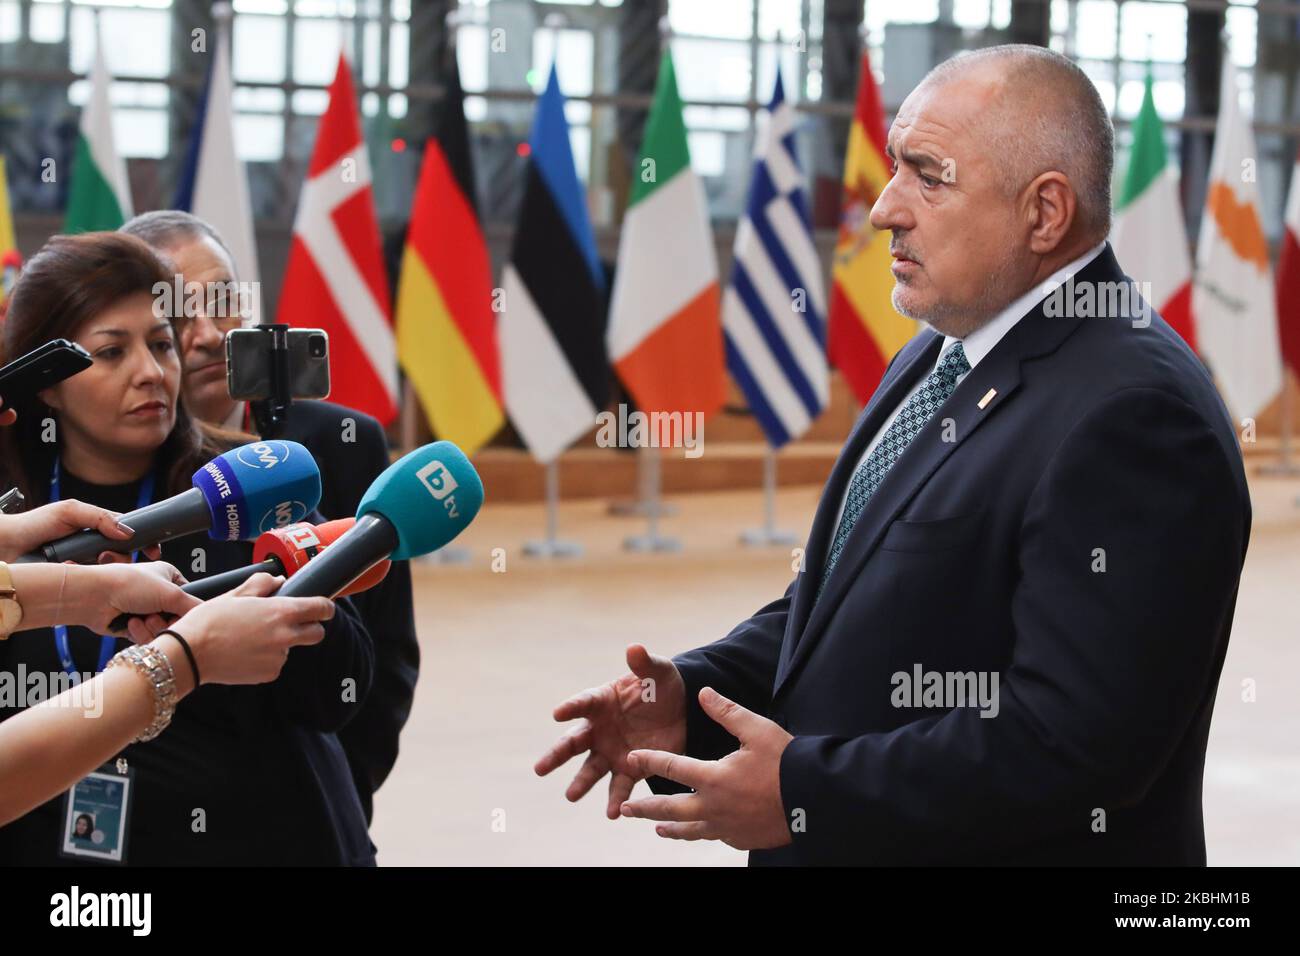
pixel 236 496
pixel 29 530
pixel 244 637
pixel 281 552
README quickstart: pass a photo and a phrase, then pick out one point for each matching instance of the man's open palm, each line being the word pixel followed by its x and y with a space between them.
pixel 642 710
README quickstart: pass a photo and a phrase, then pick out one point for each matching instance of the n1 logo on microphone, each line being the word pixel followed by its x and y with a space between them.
pixel 440 483
pixel 263 454
pixel 303 536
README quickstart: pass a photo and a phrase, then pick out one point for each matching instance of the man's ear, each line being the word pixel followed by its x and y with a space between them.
pixel 1051 210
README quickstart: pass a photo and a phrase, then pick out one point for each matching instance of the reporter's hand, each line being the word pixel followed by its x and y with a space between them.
pixel 642 710
pixel 146 591
pixel 8 416
pixel 25 532
pixel 244 636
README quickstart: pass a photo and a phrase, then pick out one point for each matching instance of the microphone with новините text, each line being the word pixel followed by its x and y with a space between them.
pixel 236 496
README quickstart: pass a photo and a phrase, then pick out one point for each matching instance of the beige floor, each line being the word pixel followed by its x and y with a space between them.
pixel 502 648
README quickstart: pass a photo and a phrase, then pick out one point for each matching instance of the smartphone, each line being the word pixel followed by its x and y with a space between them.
pixel 40 368
pixel 248 363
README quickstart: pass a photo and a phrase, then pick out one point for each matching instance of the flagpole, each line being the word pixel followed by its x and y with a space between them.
pixel 447 555
pixel 647 503
pixel 552 546
pixel 1284 466
pixel 768 535
pixel 652 540
pixel 410 410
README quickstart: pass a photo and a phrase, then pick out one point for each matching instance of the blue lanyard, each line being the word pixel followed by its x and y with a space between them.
pixel 106 642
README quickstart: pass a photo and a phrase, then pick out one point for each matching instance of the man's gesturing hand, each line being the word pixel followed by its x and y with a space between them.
pixel 645 709
pixel 737 799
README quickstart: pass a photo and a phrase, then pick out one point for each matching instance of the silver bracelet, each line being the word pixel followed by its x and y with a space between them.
pixel 157 670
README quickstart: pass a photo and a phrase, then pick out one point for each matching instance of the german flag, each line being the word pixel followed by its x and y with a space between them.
pixel 864 330
pixel 446 329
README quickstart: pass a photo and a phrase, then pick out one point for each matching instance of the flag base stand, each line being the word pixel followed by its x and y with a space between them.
pixel 768 536
pixel 651 541
pixel 638 508
pixel 551 546
pixel 449 556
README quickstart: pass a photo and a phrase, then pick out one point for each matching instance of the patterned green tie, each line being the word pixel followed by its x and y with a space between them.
pixel 920 408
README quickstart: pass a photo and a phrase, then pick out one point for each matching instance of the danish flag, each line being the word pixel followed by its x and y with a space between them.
pixel 335 278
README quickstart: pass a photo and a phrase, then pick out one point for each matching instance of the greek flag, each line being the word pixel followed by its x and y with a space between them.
pixel 774 310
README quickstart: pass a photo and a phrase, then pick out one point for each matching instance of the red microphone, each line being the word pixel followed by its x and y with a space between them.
pixel 292 547
pixel 281 551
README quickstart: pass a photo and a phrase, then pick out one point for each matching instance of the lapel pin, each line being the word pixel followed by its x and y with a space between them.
pixel 988 397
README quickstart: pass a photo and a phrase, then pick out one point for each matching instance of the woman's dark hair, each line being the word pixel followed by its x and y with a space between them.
pixel 69 281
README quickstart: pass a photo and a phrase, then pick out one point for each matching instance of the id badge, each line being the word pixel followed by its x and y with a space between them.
pixel 97 815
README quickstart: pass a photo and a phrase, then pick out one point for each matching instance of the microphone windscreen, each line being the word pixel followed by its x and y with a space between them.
pixel 429 496
pixel 259 486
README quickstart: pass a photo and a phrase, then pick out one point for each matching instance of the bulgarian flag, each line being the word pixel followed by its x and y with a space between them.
pixel 446 328
pixel 1288 277
pixel 864 329
pixel 665 329
pixel 1149 236
pixel 99 197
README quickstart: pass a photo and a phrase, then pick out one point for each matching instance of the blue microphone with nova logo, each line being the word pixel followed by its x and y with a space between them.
pixel 236 496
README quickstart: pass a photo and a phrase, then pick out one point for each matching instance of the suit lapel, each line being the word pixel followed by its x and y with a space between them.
pixel 968 407
pixel 891 391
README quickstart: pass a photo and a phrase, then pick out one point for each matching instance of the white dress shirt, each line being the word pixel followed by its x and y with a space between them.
pixel 979 344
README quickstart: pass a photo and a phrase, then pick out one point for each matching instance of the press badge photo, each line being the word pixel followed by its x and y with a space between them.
pixel 94 824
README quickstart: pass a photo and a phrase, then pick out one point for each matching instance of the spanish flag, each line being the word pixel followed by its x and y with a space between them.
pixel 864 331
pixel 446 328
pixel 10 260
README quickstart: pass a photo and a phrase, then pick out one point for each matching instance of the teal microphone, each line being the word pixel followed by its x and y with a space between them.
pixel 420 503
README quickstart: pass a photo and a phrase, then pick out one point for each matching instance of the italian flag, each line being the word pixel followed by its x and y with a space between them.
pixel 1149 236
pixel 665 329
pixel 1288 277
pixel 99 197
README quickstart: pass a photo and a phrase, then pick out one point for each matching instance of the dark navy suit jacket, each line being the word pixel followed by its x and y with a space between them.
pixel 1081 536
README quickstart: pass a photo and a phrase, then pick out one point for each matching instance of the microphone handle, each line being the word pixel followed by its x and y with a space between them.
pixel 153 524
pixel 365 544
pixel 216 584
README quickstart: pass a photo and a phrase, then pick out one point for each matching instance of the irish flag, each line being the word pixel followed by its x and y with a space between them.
pixel 1234 299
pixel 863 328
pixel 1149 236
pixel 665 330
pixel 99 196
pixel 1288 277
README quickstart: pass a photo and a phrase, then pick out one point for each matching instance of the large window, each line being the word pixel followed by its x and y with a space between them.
pixel 726 52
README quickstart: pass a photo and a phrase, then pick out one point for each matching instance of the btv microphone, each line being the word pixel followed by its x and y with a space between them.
pixel 420 503
pixel 282 551
pixel 236 496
